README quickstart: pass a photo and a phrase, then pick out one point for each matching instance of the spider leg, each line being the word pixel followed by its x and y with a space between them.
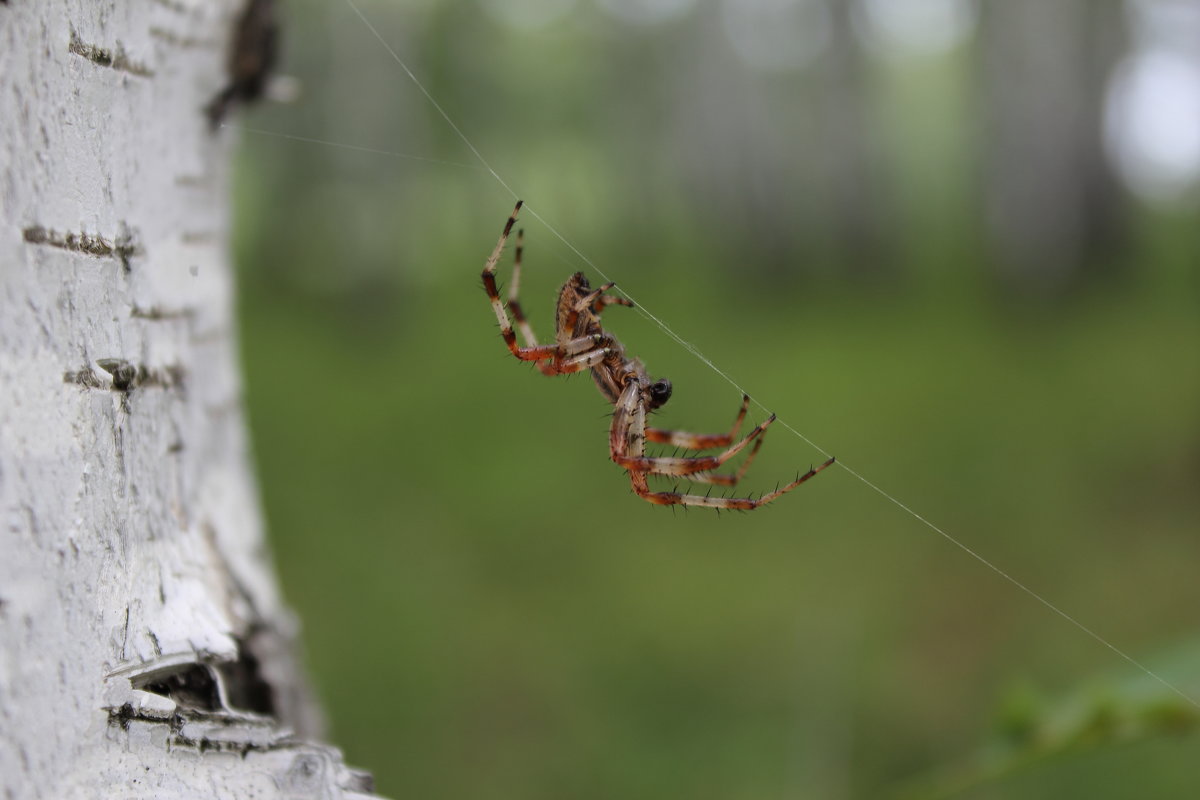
pixel 722 479
pixel 702 441
pixel 604 301
pixel 571 355
pixel 533 352
pixel 571 347
pixel 514 304
pixel 718 503
pixel 627 441
pixel 699 441
pixel 514 289
pixel 667 465
pixel 592 297
pixel 581 362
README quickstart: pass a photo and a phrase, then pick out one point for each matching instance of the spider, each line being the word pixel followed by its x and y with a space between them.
pixel 580 342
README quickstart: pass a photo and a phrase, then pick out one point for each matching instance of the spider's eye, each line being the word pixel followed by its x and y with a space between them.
pixel 660 393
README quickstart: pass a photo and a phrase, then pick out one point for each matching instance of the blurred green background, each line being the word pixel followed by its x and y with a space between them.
pixel 954 244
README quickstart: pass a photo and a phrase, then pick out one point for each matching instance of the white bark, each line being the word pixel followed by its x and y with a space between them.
pixel 144 648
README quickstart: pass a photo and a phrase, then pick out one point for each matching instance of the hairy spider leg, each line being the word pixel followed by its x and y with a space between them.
pixel 571 355
pixel 707 441
pixel 699 441
pixel 607 300
pixel 730 479
pixel 671 465
pixel 514 304
pixel 627 439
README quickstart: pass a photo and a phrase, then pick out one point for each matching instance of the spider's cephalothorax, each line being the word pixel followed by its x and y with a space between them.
pixel 580 342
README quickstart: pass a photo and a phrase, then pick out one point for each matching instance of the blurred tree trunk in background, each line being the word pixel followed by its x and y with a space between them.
pixel 850 152
pixel 781 144
pixel 735 145
pixel 146 650
pixel 1053 205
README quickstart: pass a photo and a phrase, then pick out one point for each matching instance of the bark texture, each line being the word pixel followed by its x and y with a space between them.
pixel 144 647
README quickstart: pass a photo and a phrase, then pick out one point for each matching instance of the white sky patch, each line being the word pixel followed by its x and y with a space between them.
pixel 1152 123
pixel 527 15
pixel 915 27
pixel 646 12
pixel 776 35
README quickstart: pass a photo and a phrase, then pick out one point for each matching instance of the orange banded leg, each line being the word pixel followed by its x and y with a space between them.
pixel 533 352
pixel 699 441
pixel 642 489
pixel 627 441
pixel 726 479
pixel 593 296
pixel 562 358
pixel 577 354
pixel 514 304
pixel 581 362
pixel 664 465
pixel 569 356
pixel 604 301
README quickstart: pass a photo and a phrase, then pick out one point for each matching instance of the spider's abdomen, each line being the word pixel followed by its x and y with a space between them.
pixel 573 321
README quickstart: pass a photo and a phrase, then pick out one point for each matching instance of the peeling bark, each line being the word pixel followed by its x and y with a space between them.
pixel 144 648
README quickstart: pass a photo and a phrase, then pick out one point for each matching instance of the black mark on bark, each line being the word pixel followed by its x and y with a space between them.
pixel 123 373
pixel 122 248
pixel 159 314
pixel 84 377
pixel 126 376
pixel 115 58
pixel 121 716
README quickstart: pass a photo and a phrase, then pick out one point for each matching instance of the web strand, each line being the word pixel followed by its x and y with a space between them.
pixel 695 351
pixel 343 146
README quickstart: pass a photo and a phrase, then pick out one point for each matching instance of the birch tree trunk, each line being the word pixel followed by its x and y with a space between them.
pixel 144 648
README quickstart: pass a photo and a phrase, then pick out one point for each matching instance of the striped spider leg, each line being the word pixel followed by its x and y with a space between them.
pixel 627 443
pixel 577 347
pixel 580 342
pixel 709 441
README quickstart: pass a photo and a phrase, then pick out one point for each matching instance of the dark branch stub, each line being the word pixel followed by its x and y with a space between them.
pixel 252 58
